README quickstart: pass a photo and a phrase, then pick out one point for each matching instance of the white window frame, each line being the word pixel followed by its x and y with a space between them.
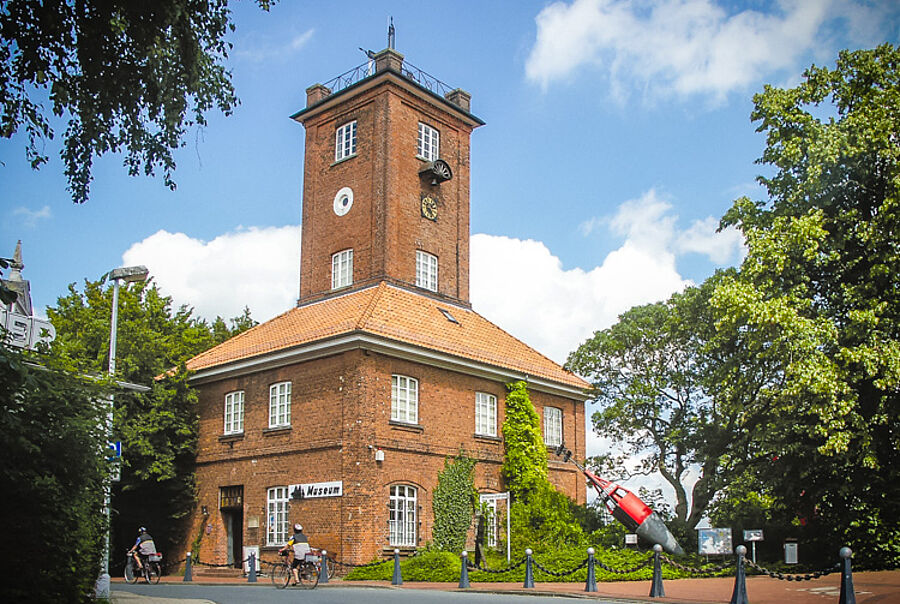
pixel 485 414
pixel 280 405
pixel 404 399
pixel 426 270
pixel 342 269
pixel 428 142
pixel 277 515
pixel 234 412
pixel 345 141
pixel 553 426
pixel 402 523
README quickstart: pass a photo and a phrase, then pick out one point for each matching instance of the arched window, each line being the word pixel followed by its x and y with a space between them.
pixel 402 520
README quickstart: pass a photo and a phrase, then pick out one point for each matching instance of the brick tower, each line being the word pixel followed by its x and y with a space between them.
pixel 386 187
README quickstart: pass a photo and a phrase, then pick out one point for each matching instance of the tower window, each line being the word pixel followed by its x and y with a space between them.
pixel 428 145
pixel 342 269
pixel 345 141
pixel 426 270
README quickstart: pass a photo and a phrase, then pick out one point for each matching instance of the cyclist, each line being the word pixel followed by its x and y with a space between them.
pixel 297 548
pixel 143 547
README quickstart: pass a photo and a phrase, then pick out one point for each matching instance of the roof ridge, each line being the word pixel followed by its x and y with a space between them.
pixel 370 307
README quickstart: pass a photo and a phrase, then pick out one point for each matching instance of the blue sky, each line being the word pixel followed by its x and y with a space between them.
pixel 617 134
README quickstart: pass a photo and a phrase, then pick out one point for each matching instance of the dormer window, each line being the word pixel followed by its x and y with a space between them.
pixel 428 144
pixel 345 141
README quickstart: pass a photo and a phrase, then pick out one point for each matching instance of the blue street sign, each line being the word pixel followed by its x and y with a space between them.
pixel 115 448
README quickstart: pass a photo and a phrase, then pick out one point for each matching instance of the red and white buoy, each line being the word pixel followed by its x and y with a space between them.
pixel 628 508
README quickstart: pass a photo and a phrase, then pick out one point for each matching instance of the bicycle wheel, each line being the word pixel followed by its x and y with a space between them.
pixel 153 572
pixel 309 575
pixel 130 577
pixel 331 567
pixel 281 576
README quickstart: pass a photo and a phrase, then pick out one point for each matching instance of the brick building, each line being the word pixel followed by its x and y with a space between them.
pixel 340 412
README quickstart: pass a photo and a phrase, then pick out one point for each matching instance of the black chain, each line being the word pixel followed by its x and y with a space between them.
pixel 368 564
pixel 485 569
pixel 783 577
pixel 563 573
pixel 694 570
pixel 643 564
pixel 207 564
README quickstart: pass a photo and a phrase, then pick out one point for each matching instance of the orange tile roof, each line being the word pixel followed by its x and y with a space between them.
pixel 394 314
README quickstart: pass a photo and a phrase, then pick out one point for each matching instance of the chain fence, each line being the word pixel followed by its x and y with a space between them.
pixel 481 567
pixel 626 571
pixel 708 570
pixel 783 577
pixel 564 573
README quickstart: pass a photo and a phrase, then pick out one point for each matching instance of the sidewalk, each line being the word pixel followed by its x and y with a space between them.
pixel 881 587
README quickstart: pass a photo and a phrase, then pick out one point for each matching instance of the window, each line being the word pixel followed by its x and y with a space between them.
pixel 345 141
pixel 485 414
pixel 402 520
pixel 342 269
pixel 280 404
pixel 277 507
pixel 552 426
pixel 426 270
pixel 234 412
pixel 404 399
pixel 428 144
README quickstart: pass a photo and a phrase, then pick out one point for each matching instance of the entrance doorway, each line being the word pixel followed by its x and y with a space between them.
pixel 231 504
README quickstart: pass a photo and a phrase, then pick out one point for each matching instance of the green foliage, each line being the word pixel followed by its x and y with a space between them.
pixel 453 503
pixel 128 77
pixel 52 480
pixel 434 565
pixel 525 460
pixel 818 299
pixel 158 429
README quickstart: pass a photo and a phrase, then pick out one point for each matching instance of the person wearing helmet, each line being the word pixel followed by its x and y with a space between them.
pixel 143 547
pixel 297 547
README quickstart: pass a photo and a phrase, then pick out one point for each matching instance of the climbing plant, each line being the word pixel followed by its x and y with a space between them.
pixel 454 503
pixel 539 513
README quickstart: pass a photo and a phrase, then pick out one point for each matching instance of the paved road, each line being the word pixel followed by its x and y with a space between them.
pixel 266 594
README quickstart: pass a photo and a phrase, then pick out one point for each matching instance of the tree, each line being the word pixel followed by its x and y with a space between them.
pixel 819 296
pixel 676 394
pixel 52 479
pixel 127 76
pixel 158 429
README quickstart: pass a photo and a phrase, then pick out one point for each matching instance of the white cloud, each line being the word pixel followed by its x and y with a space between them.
pixel 30 217
pixel 259 48
pixel 254 267
pixel 690 47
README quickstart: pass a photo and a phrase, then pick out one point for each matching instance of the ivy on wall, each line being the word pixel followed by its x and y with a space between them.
pixel 525 462
pixel 453 503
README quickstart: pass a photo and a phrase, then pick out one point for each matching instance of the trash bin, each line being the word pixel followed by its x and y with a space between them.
pixel 790 551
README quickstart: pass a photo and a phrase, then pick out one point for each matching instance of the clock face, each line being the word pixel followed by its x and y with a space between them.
pixel 343 201
pixel 429 208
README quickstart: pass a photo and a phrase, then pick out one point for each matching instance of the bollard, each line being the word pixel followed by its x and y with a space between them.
pixel 464 571
pixel 848 596
pixel 397 579
pixel 656 587
pixel 323 568
pixel 187 567
pixel 251 576
pixel 529 572
pixel 739 596
pixel 591 583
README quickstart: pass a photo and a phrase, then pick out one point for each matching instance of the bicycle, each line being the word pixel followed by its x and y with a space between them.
pixel 151 569
pixel 307 571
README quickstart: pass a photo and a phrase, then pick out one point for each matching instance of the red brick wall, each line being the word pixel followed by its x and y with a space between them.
pixel 340 415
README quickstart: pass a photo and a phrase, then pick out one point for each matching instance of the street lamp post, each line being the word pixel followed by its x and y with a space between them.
pixel 128 274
